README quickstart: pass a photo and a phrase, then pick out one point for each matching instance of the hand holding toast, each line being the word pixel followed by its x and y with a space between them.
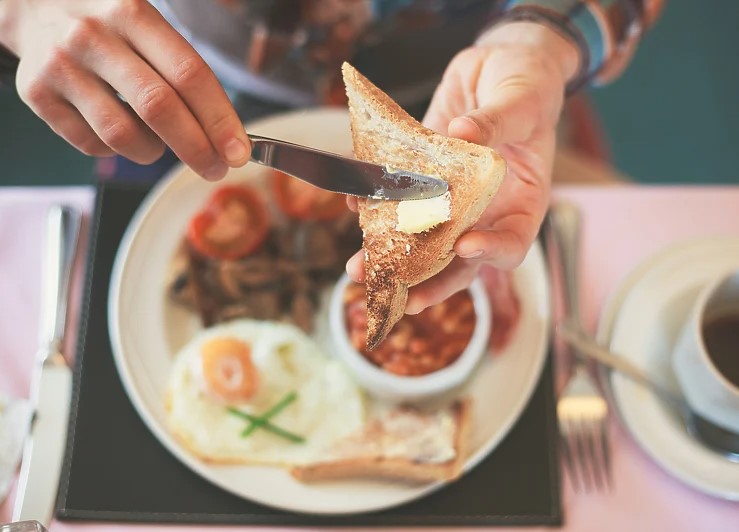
pixel 506 92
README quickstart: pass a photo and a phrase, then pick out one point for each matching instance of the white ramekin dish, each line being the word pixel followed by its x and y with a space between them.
pixel 401 389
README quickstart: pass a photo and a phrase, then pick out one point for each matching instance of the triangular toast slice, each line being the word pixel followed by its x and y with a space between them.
pixel 401 443
pixel 383 133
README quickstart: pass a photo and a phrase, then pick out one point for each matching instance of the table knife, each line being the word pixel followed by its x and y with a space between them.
pixel 343 174
pixel 51 382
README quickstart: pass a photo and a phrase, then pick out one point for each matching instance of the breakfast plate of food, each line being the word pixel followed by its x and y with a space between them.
pixel 256 362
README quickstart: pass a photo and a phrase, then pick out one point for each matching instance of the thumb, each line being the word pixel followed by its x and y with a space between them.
pixel 509 116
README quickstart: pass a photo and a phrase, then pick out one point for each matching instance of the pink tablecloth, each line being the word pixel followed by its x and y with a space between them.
pixel 623 226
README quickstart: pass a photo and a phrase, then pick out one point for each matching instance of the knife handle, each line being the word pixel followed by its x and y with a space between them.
pixel 62 234
pixel 51 381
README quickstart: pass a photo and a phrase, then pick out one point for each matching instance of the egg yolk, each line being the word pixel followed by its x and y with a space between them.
pixel 228 369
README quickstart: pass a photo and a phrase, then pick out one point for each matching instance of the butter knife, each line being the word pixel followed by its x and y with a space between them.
pixel 343 174
pixel 51 383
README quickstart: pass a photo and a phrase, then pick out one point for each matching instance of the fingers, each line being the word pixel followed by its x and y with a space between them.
pixel 81 107
pixel 486 97
pixel 355 267
pixel 504 249
pixel 455 277
pixel 156 103
pixel 111 121
pixel 511 222
pixel 442 109
pixel 171 95
pixel 190 78
pixel 510 117
pixel 68 123
pixel 455 95
pixel 500 289
pixel 505 244
pixel 353 203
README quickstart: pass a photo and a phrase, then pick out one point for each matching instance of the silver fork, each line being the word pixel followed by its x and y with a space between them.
pixel 582 411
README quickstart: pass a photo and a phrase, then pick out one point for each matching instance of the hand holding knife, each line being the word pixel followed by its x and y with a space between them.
pixel 51 382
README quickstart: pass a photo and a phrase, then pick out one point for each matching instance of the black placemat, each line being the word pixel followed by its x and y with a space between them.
pixel 116 470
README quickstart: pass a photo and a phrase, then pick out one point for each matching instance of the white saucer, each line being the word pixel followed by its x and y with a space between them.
pixel 641 321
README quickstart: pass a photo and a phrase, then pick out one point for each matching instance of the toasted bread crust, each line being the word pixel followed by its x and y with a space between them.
pixel 383 133
pixel 374 468
pixel 391 296
pixel 403 469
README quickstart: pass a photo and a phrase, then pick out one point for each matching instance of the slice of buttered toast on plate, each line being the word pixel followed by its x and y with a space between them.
pixel 399 443
pixel 408 242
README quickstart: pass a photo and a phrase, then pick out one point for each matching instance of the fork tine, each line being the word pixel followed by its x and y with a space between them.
pixel 567 452
pixel 582 454
pixel 582 412
pixel 605 451
pixel 592 439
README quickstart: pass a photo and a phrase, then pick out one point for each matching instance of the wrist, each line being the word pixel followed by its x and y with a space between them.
pixel 560 49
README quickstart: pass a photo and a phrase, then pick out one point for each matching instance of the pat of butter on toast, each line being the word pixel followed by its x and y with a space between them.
pixel 417 216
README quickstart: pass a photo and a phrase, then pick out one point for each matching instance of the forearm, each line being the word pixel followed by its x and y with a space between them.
pixel 606 33
pixel 564 53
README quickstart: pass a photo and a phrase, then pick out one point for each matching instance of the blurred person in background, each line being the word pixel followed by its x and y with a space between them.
pixel 131 77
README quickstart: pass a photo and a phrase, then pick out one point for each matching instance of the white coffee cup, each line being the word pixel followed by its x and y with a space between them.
pixel 706 389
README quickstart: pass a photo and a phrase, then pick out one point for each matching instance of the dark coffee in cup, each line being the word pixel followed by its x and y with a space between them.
pixel 721 336
pixel 706 355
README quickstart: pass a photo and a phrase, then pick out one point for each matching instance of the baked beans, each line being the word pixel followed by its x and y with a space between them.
pixel 418 344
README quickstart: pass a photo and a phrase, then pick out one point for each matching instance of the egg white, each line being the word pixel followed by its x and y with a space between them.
pixel 329 404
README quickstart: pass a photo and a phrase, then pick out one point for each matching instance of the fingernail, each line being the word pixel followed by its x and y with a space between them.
pixel 235 151
pixel 472 254
pixel 216 172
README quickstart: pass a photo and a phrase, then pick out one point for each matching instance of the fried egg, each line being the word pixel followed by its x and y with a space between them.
pixel 251 367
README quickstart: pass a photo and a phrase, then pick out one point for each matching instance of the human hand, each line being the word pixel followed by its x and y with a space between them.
pixel 505 92
pixel 77 56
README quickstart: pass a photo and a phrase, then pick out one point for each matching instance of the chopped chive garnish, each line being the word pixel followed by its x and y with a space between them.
pixel 269 414
pixel 263 421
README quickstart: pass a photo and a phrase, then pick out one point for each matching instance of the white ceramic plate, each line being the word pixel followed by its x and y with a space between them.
pixel 641 321
pixel 147 330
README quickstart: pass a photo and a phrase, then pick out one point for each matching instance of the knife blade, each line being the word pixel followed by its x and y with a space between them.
pixel 51 382
pixel 344 175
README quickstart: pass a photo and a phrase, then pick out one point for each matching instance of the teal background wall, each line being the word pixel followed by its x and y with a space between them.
pixel 672 117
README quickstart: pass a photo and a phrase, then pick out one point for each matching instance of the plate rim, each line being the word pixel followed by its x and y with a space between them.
pixel 171 180
pixel 604 335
